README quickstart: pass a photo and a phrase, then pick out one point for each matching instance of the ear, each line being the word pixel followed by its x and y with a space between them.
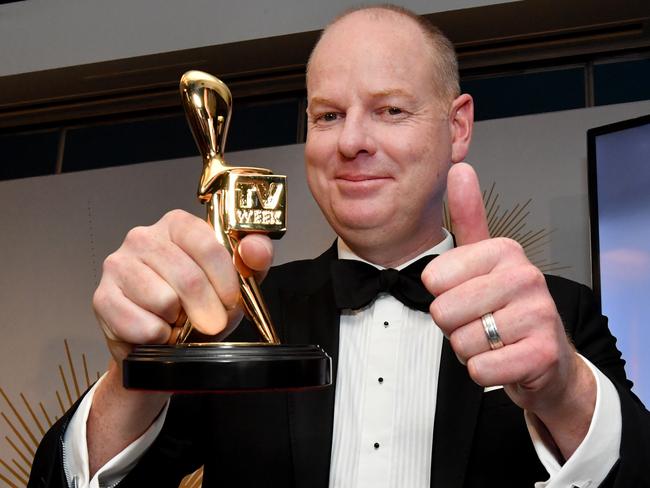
pixel 461 120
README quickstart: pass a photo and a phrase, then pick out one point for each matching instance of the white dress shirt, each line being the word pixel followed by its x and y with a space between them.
pixel 389 360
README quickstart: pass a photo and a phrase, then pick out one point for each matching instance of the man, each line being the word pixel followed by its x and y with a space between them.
pixel 386 123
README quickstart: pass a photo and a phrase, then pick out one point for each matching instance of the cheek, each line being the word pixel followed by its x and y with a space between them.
pixel 312 177
pixel 316 180
pixel 427 155
pixel 423 164
pixel 315 159
pixel 320 157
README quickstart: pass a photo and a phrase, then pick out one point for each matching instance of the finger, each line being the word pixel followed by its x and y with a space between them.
pixel 124 321
pixel 188 279
pixel 477 296
pixel 256 251
pixel 461 264
pixel 471 340
pixel 195 290
pixel 523 363
pixel 143 286
pixel 196 238
pixel 466 207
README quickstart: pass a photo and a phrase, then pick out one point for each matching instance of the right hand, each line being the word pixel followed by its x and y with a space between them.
pixel 175 264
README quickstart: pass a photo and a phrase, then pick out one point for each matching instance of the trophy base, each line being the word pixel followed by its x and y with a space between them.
pixel 226 367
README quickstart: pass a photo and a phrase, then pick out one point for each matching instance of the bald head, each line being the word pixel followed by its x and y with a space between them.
pixel 435 47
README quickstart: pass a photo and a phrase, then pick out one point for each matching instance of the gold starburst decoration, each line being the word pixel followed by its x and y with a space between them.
pixel 27 425
pixel 511 223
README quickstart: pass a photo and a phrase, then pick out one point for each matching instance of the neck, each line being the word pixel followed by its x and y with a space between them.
pixel 391 255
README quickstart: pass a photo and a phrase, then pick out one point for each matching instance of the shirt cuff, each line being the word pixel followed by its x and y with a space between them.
pixel 598 451
pixel 75 449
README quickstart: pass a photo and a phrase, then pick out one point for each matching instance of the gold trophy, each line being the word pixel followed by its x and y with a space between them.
pixel 239 200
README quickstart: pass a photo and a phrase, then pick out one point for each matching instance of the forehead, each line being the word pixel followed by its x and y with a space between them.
pixel 373 49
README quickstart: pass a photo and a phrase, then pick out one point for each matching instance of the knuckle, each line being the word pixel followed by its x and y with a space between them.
pixel 192 282
pixel 547 312
pixel 230 294
pixel 548 354
pixel 138 238
pixel 101 300
pixel 112 264
pixel 176 222
pixel 509 245
pixel 536 276
pixel 530 276
pixel 526 280
pixel 176 215
pixel 152 334
pixel 504 247
pixel 169 308
pixel 211 248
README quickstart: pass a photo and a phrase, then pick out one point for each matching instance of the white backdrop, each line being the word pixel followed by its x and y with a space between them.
pixel 56 231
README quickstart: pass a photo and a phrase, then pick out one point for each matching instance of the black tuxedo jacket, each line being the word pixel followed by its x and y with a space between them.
pixel 284 439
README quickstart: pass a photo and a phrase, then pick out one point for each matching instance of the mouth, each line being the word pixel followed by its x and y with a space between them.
pixel 361 184
pixel 356 178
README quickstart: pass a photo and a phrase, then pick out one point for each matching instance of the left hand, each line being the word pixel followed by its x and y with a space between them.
pixel 538 365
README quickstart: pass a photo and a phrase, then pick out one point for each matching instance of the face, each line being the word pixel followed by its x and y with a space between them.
pixel 379 140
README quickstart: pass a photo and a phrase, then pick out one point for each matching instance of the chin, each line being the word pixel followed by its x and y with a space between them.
pixel 361 211
pixel 365 219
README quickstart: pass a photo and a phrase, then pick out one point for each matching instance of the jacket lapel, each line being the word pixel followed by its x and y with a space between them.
pixel 312 318
pixel 457 407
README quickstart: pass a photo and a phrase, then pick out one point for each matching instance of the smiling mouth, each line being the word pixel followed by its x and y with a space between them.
pixel 360 178
pixel 358 186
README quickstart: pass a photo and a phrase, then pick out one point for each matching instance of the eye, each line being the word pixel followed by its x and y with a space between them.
pixel 391 113
pixel 326 117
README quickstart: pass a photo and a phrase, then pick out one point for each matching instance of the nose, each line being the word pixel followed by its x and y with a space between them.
pixel 356 137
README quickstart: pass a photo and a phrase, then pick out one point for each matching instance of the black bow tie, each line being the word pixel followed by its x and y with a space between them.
pixel 356 284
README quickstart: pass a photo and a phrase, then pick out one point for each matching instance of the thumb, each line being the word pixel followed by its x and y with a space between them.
pixel 254 254
pixel 466 207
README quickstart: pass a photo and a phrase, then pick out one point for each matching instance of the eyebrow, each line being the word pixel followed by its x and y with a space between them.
pixel 320 101
pixel 389 92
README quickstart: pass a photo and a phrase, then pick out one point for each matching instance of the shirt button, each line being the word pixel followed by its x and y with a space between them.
pixel 376 445
pixel 380 379
pixel 385 323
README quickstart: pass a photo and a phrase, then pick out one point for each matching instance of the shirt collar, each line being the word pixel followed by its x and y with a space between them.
pixel 446 244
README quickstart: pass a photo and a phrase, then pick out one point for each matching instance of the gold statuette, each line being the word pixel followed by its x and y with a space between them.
pixel 239 200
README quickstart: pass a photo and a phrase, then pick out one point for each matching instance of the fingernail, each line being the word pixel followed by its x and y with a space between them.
pixel 268 245
pixel 460 360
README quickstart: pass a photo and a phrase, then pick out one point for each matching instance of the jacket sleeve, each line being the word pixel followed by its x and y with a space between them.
pixel 47 466
pixel 176 452
pixel 592 338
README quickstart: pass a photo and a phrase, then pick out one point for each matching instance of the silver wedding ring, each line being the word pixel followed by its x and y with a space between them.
pixel 491 332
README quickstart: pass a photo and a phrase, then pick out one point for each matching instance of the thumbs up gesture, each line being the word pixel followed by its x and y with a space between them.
pixel 495 308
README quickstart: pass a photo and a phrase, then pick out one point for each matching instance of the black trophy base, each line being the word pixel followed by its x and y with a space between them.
pixel 226 367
